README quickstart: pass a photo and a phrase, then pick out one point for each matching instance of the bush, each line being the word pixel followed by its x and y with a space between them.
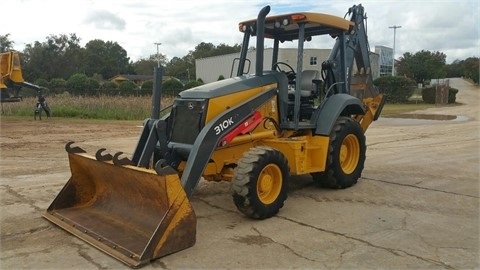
pixel 192 84
pixel 127 88
pixel 452 95
pixel 147 88
pixel 43 83
pixel 429 95
pixel 92 87
pixel 76 84
pixel 171 87
pixel 58 85
pixel 398 89
pixel 109 88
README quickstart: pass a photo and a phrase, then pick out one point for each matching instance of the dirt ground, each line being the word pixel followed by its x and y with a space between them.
pixel 415 207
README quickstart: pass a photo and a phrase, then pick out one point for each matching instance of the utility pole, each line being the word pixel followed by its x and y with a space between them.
pixel 394 34
pixel 158 54
pixel 157 86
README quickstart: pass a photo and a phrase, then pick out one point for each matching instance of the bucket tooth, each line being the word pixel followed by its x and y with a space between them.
pixel 163 169
pixel 73 150
pixel 122 161
pixel 103 157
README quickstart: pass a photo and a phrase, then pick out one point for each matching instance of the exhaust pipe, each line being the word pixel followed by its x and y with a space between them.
pixel 260 39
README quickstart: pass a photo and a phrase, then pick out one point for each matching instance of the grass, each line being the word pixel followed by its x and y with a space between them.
pixel 133 108
pixel 103 107
pixel 395 109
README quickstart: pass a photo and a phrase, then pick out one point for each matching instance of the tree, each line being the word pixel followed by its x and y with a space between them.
pixel 106 58
pixel 468 68
pixel 471 69
pixel 423 65
pixel 177 67
pixel 202 50
pixel 455 69
pixel 5 43
pixel 57 57
pixel 145 66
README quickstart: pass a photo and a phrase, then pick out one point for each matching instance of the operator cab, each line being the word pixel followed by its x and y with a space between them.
pixel 307 81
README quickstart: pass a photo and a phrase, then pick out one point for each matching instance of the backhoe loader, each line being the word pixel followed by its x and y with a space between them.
pixel 11 81
pixel 254 129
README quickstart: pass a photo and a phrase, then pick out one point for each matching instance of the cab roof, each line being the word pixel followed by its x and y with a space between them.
pixel 286 27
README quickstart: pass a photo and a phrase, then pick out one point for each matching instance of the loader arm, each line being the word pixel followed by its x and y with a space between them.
pixel 209 137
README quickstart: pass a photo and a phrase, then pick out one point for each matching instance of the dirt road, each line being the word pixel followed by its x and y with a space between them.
pixel 416 206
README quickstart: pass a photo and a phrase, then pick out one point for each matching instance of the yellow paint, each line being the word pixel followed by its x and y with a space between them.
pixel 10 68
pixel 220 104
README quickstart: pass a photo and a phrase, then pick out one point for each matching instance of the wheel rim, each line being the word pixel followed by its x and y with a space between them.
pixel 269 184
pixel 349 154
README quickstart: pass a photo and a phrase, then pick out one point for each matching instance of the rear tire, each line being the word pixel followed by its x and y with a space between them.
pixel 346 155
pixel 260 182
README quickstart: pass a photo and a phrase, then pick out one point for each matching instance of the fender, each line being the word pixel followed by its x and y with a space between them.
pixel 327 113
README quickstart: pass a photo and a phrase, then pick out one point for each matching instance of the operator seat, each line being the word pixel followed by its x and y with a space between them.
pixel 309 85
pixel 309 90
pixel 310 82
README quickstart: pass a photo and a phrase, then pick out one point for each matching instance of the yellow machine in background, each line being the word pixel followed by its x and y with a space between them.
pixel 255 130
pixel 11 81
pixel 11 74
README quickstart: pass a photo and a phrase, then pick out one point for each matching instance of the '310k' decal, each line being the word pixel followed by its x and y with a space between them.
pixel 222 126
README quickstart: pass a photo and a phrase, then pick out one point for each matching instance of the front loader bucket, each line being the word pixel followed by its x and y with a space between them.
pixel 127 212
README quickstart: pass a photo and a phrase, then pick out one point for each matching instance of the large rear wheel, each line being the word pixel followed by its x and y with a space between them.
pixel 260 182
pixel 346 155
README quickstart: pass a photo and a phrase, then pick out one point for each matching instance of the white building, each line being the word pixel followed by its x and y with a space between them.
pixel 385 59
pixel 210 69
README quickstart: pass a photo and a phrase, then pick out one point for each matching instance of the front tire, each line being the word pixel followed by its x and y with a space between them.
pixel 346 155
pixel 260 182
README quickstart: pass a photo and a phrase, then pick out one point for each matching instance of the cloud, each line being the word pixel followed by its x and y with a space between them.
pixel 448 26
pixel 105 20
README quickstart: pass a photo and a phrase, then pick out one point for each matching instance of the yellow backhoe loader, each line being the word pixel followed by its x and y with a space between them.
pixel 11 81
pixel 255 130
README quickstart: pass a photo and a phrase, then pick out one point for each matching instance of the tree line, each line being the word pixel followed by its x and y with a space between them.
pixel 425 65
pixel 61 56
pixel 62 63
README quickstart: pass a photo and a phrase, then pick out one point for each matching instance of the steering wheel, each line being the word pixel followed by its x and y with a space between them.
pixel 291 75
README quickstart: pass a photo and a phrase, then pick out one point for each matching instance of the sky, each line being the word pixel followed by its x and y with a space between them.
pixel 447 26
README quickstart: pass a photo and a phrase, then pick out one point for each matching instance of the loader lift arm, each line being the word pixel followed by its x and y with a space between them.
pixel 203 147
